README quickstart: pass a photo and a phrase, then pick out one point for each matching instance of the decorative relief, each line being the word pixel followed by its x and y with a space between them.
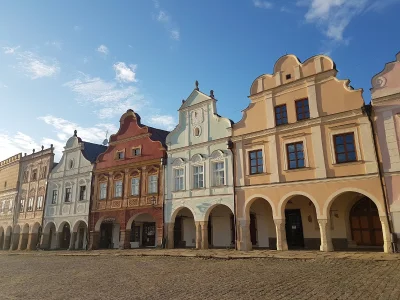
pixel 65 209
pixel 197 158
pixel 116 204
pixel 101 205
pixel 197 116
pixel 178 162
pixel 380 82
pixel 217 155
pixel 52 211
pixel 80 209
pixel 133 202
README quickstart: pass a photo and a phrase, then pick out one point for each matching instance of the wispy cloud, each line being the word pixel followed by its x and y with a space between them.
pixel 164 18
pixel 55 44
pixel 102 49
pixel 36 67
pixel 10 50
pixel 124 73
pixel 262 4
pixel 108 97
pixel 164 121
pixel 11 144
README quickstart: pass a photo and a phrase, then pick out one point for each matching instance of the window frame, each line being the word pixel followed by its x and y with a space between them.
pixel 280 113
pixel 34 176
pixel 117 185
pixel 257 164
pixel 302 106
pixel 344 134
pixel 215 171
pixel 150 183
pixel 69 193
pixel 295 152
pixel 39 200
pixel 134 149
pixel 138 186
pixel 198 176
pixel 21 205
pixel 80 193
pixel 348 128
pixel 181 177
pixel 31 201
pixel 54 196
pixel 105 184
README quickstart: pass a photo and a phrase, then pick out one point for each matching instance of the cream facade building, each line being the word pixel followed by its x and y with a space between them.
pixel 34 171
pixel 9 182
pixel 68 196
pixel 306 169
pixel 386 107
pixel 199 193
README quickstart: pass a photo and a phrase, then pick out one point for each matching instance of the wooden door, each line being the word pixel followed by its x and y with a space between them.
pixel 106 235
pixel 366 229
pixel 294 228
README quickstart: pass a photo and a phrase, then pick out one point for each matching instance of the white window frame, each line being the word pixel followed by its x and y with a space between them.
pixel 215 172
pixel 30 204
pixel 290 140
pixel 10 206
pixel 349 128
pixel 247 159
pixel 103 192
pixel 22 205
pixel 39 201
pixel 153 184
pixel 202 173
pixel 118 189
pixel 181 177
pixel 135 186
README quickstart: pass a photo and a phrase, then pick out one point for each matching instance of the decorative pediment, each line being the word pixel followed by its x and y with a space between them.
pixel 118 176
pixel 178 162
pixel 135 173
pixel 197 158
pixel 82 182
pixel 152 170
pixel 217 154
pixel 103 177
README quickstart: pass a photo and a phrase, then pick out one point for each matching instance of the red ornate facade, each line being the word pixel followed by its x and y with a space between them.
pixel 127 199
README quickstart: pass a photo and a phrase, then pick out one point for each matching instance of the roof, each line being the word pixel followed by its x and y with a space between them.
pixel 158 135
pixel 92 151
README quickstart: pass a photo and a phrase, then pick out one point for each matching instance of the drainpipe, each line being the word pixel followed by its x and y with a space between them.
pixel 367 109
pixel 230 146
pixel 163 167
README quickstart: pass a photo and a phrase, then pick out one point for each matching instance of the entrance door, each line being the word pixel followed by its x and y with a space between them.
pixel 106 235
pixel 149 234
pixel 253 229
pixel 294 228
pixel 178 232
pixel 366 229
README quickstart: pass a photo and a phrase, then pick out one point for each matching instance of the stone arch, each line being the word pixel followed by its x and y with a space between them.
pixel 253 198
pixel 98 223
pixel 77 224
pixel 17 229
pixel 221 229
pixel 131 219
pixel 25 228
pixel 182 232
pixel 284 200
pixel 61 226
pixel 208 211
pixel 178 209
pixel 328 203
pixel 35 228
pixel 79 235
pixel 48 226
pixel 197 158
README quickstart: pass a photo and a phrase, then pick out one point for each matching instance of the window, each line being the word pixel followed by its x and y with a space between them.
pixel 10 206
pixel 135 186
pixel 34 175
pixel 120 155
pixel 302 109
pixel 198 177
pixel 54 197
pixel 153 184
pixel 39 204
pixel 26 176
pixel 345 149
pixel 67 195
pixel 21 205
pixel 256 162
pixel 280 115
pixel 82 192
pixel 136 151
pixel 197 131
pixel 103 190
pixel 218 174
pixel 43 172
pixel 295 155
pixel 30 204
pixel 3 205
pixel 118 189
pixel 71 163
pixel 288 76
pixel 179 182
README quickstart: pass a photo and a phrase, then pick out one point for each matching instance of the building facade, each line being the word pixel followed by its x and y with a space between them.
pixel 306 168
pixel 199 204
pixel 128 188
pixel 386 107
pixel 9 183
pixel 34 170
pixel 68 196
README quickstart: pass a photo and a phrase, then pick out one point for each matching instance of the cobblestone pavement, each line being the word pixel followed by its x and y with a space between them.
pixel 109 276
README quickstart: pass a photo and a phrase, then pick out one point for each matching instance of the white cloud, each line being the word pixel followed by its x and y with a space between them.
pixel 85 60
pixel 10 50
pixel 35 67
pixel 262 4
pixel 175 35
pixel 169 25
pixel 103 49
pixel 124 73
pixel 162 121
pixel 110 98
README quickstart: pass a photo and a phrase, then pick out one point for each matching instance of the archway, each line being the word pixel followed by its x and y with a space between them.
pixel 2 238
pixel 262 227
pixel 49 237
pixel 64 236
pixel 23 242
pixel 354 221
pixel 35 236
pixel 221 228
pixel 109 233
pixel 143 231
pixel 301 223
pixel 184 234
pixel 15 237
pixel 7 238
pixel 80 234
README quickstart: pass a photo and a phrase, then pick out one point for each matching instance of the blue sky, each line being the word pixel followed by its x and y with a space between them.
pixel 68 65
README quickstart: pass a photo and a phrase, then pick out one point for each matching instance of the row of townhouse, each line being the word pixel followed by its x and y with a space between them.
pixel 310 165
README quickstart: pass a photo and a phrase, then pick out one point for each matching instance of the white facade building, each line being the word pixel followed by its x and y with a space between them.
pixel 199 200
pixel 68 196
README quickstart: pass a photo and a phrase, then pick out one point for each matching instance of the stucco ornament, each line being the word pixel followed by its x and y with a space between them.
pixel 197 116
pixel 380 82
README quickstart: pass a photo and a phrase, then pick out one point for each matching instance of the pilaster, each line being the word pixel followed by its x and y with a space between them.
pixel 325 232
pixel 204 234
pixel 281 243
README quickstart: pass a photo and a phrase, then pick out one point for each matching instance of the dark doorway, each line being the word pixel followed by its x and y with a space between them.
pixel 1 240
pixel 294 229
pixel 232 230
pixel 65 237
pixel 81 233
pixel 50 238
pixel 178 243
pixel 366 229
pixel 209 228
pixel 149 234
pixel 253 229
pixel 106 235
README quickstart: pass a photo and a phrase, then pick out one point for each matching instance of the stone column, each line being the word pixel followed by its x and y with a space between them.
pixel 72 241
pixel 21 241
pixel 204 235
pixel 94 240
pixel 122 236
pixel 387 243
pixel 170 235
pixel 32 241
pixel 59 236
pixel 325 232
pixel 198 235
pixel 244 242
pixel 281 243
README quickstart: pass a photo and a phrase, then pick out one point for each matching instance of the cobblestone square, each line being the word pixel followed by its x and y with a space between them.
pixel 31 276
